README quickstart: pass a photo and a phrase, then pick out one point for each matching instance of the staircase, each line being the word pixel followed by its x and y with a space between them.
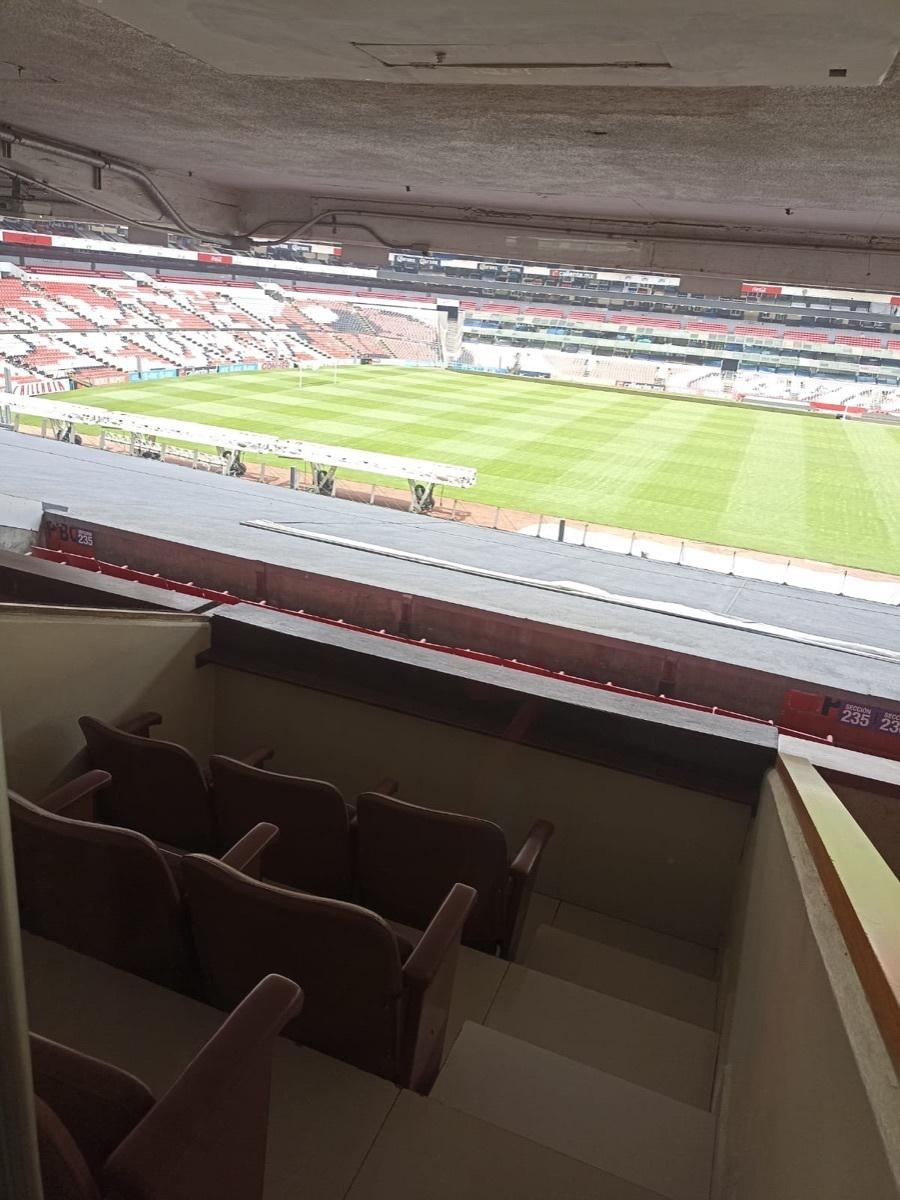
pixel 452 336
pixel 583 1071
pixel 586 1074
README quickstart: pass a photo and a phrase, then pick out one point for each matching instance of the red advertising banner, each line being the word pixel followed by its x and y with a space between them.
pixel 26 239
pixel 213 258
pixel 759 289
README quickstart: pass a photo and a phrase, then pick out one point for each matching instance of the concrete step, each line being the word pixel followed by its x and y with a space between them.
pixel 648 943
pixel 541 911
pixel 631 977
pixel 427 1151
pixel 478 977
pixel 649 1048
pixel 608 1123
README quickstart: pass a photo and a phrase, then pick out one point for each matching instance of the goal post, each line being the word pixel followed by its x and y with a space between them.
pixel 309 373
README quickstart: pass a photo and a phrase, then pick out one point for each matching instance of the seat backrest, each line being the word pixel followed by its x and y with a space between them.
pixel 157 787
pixel 409 858
pixel 99 1104
pixel 344 958
pixel 101 891
pixel 64 1172
pixel 313 850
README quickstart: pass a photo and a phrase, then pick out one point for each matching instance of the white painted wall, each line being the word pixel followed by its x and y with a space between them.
pixel 648 852
pixel 59 664
pixel 809 1102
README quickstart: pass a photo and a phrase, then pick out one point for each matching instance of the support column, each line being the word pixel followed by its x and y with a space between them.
pixel 19 1165
pixel 422 496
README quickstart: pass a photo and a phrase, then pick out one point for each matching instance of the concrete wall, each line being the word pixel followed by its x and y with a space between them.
pixel 808 1102
pixel 698 663
pixel 56 665
pixel 642 850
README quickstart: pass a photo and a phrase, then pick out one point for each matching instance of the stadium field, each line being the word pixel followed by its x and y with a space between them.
pixel 770 481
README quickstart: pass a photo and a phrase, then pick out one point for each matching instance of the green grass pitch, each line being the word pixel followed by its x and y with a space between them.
pixel 763 480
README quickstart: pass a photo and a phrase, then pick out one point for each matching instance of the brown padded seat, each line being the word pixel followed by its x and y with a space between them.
pixel 314 849
pixel 101 891
pixel 107 892
pixel 408 857
pixel 157 787
pixel 362 1004
pixel 102 1136
pixel 98 1103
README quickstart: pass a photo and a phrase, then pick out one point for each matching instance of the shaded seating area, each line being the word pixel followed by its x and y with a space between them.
pixel 156 787
pixel 408 856
pixel 367 1002
pixel 106 891
pixel 314 851
pixel 307 893
pixel 378 993
pixel 396 858
pixel 101 1133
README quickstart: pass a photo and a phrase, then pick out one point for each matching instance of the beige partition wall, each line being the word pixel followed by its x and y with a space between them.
pixel 645 851
pixel 808 1099
pixel 57 664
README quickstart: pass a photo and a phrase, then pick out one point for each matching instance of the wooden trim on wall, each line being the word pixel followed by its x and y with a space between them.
pixel 863 891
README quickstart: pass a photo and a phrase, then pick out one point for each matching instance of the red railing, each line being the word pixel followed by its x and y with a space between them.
pixel 219 597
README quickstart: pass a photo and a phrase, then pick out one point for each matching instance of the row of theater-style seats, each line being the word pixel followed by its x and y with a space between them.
pixel 210 880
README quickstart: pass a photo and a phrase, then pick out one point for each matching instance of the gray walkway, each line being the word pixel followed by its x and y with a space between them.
pixel 195 508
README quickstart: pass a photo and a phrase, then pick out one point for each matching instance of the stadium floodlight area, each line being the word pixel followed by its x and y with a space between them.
pixel 148 437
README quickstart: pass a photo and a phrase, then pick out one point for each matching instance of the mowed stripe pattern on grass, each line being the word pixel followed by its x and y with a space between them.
pixel 763 480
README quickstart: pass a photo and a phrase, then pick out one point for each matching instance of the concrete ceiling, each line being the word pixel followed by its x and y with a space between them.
pixel 492 115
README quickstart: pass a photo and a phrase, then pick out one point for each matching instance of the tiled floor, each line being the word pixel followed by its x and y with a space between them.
pixel 542 910
pixel 478 978
pixel 427 1151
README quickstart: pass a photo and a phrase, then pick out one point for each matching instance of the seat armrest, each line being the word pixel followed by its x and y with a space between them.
pixel 75 799
pixel 443 933
pixel 428 977
pixel 522 874
pixel 141 725
pixel 206 1136
pixel 526 861
pixel 387 787
pixel 246 854
pixel 257 757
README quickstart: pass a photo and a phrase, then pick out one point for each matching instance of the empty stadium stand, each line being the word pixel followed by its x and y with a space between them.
pixel 99 330
pixel 794 347
pixel 94 326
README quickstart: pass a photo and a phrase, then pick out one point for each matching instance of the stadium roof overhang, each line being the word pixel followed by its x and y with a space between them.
pixel 730 140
